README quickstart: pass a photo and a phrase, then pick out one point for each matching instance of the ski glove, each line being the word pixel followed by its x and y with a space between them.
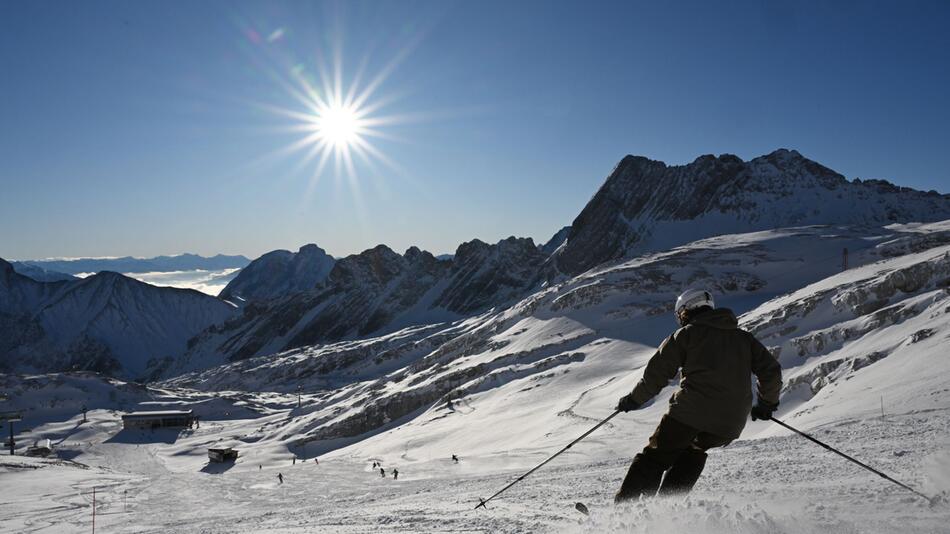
pixel 627 403
pixel 763 410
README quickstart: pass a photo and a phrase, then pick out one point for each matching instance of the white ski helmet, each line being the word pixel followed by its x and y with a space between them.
pixel 692 299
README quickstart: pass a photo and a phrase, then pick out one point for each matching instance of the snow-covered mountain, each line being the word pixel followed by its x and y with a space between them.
pixel 106 322
pixel 598 328
pixel 128 264
pixel 280 273
pixel 376 291
pixel 647 205
pixel 643 206
pixel 863 351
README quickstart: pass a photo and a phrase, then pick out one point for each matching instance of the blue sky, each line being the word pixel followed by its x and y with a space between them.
pixel 151 128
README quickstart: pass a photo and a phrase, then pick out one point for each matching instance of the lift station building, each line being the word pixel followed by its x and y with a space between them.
pixel 158 419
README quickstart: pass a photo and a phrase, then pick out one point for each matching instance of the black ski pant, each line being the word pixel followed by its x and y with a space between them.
pixel 675 448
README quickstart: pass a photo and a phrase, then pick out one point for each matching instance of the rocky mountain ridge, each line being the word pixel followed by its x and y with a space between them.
pixel 648 205
pixel 643 205
pixel 376 291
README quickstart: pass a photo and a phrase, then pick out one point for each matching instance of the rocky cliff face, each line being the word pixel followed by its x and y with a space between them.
pixel 376 291
pixel 647 205
pixel 484 275
pixel 106 322
pixel 280 273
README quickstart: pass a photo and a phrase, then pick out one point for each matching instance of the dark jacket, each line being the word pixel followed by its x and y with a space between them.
pixel 717 359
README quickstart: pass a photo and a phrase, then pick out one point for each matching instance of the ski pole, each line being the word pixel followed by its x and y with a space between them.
pixel 483 502
pixel 862 464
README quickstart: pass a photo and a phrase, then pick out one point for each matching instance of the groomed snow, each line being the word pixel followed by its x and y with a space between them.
pixel 865 369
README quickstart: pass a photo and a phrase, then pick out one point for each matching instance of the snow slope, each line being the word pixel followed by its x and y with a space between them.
pixel 362 387
pixel 523 382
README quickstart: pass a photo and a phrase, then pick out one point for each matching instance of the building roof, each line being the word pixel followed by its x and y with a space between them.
pixel 163 413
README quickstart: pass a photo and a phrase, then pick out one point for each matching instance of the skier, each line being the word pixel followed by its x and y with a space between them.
pixel 375 465
pixel 395 474
pixel 294 461
pixel 455 458
pixel 382 472
pixel 259 467
pixel 716 359
pixel 280 477
pixel 316 460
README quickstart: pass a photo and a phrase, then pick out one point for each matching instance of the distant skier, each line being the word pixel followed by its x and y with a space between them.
pixel 316 460
pixel 455 458
pixel 395 474
pixel 259 467
pixel 280 477
pixel 294 461
pixel 382 472
pixel 710 408
pixel 375 465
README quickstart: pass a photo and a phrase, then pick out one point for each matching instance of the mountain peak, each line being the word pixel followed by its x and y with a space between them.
pixel 647 205
pixel 311 248
pixel 279 273
pixel 785 153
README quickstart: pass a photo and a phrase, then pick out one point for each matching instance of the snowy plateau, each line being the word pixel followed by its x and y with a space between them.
pixel 502 354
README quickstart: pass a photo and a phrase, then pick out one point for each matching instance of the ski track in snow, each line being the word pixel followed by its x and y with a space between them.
pixel 772 485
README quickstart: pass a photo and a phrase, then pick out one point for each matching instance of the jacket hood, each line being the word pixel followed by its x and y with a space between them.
pixel 721 318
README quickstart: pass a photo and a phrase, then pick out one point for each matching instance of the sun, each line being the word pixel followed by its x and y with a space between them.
pixel 336 120
pixel 337 126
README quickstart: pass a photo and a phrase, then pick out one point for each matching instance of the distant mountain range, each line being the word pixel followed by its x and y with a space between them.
pixel 128 264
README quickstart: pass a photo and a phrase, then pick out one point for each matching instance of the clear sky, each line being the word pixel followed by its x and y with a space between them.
pixel 146 128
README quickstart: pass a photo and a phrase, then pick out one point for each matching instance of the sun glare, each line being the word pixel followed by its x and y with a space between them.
pixel 338 126
pixel 336 118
